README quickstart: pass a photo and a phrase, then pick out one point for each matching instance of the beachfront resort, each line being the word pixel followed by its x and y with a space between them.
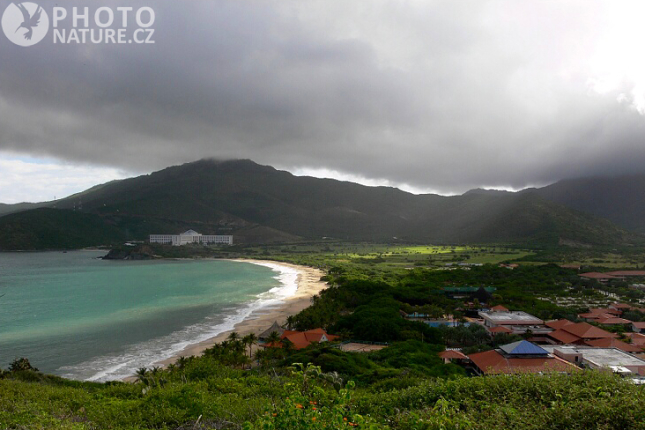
pixel 560 346
pixel 191 237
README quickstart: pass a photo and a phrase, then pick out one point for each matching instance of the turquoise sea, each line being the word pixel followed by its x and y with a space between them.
pixel 75 315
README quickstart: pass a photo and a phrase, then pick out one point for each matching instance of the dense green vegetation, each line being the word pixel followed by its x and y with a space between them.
pixel 613 198
pixel 368 305
pixel 19 207
pixel 202 394
pixel 46 228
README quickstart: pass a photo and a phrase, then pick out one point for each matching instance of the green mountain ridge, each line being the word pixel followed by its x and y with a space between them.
pixel 19 207
pixel 259 204
pixel 619 199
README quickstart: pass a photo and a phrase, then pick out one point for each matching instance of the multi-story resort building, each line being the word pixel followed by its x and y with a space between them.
pixel 191 236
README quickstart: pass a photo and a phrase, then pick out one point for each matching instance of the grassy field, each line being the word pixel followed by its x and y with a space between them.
pixel 387 257
pixel 596 259
pixel 612 260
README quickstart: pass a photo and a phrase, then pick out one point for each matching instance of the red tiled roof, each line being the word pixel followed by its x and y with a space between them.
pixel 601 317
pixel 500 329
pixel 639 325
pixel 637 339
pixel 451 353
pixel 302 339
pixel 272 345
pixel 557 324
pixel 313 337
pixel 621 306
pixel 595 317
pixel 596 275
pixel 299 340
pixel 589 316
pixel 587 331
pixel 499 308
pixel 613 343
pixel 491 362
pixel 627 273
pixel 613 320
pixel 600 311
pixel 563 336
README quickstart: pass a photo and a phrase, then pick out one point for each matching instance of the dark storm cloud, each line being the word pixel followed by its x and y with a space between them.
pixel 442 95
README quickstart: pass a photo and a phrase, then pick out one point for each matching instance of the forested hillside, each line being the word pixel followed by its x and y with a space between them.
pixel 260 204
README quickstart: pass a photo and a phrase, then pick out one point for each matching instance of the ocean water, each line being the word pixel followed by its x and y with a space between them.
pixel 75 315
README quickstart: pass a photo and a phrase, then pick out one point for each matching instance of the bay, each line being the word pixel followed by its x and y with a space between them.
pixel 81 317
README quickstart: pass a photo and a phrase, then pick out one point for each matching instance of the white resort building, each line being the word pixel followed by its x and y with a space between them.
pixel 191 236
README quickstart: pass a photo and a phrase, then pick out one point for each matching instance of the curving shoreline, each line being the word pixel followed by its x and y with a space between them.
pixel 308 285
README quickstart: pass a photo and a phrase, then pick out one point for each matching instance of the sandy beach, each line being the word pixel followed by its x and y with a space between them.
pixel 309 285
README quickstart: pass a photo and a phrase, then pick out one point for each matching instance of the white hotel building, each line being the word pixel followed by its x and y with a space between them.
pixel 191 236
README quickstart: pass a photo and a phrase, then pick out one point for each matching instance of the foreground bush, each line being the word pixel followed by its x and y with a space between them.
pixel 587 400
pixel 309 406
pixel 201 394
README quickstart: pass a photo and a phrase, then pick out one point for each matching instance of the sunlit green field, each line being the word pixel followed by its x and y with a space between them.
pixel 393 256
pixel 404 256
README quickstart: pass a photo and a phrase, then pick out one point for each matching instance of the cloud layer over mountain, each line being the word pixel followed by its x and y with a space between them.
pixel 439 95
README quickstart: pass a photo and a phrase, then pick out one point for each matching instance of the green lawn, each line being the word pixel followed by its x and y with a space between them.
pixel 383 256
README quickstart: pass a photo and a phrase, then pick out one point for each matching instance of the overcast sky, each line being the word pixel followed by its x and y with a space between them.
pixel 432 96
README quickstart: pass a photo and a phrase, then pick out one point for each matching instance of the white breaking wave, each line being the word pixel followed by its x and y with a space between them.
pixel 146 354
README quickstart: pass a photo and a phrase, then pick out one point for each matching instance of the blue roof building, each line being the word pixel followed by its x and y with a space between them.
pixel 523 347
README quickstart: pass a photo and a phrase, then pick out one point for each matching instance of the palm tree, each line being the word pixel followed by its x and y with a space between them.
pixel 182 362
pixel 243 360
pixel 274 338
pixel 245 342
pixel 233 336
pixel 291 322
pixel 239 347
pixel 250 339
pixel 261 355
pixel 142 375
pixel 155 372
pixel 287 345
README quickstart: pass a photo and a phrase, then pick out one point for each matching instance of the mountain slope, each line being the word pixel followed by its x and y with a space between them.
pixel 519 218
pixel 260 204
pixel 19 207
pixel 618 199
pixel 46 228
